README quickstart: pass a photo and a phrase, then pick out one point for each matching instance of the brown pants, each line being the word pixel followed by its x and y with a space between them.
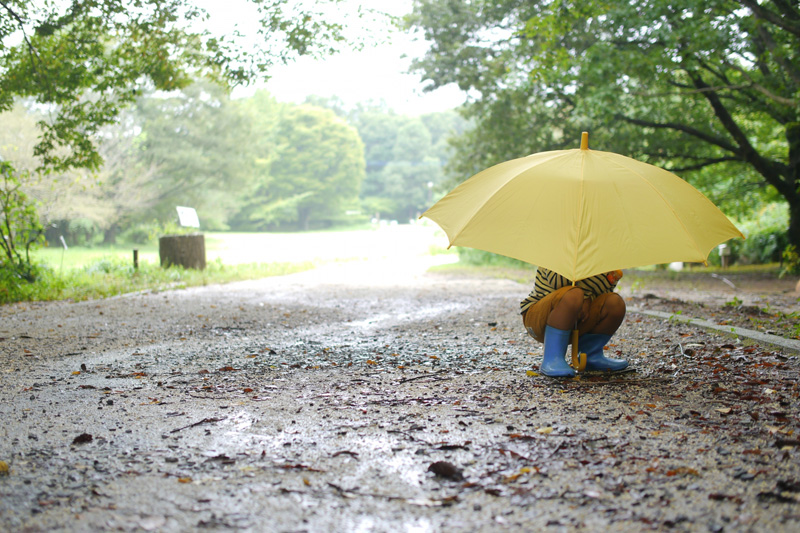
pixel 535 318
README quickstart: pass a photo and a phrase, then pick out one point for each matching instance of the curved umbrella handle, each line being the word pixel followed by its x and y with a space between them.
pixel 578 359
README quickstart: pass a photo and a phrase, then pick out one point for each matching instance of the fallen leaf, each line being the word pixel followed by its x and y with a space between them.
pixel 300 467
pixel 729 497
pixel 683 471
pixel 446 470
pixel 545 430
pixel 82 438
pixel 184 480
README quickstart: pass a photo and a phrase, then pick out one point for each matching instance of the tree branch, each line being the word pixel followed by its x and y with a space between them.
pixel 35 57
pixel 688 89
pixel 705 163
pixel 694 132
pixel 783 22
pixel 717 74
pixel 770 45
pixel 760 88
pixel 751 85
pixel 772 171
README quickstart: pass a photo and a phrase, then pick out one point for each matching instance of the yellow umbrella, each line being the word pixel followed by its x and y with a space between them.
pixel 582 212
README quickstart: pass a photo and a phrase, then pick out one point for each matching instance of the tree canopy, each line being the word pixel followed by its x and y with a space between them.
pixel 319 163
pixel 88 59
pixel 82 62
pixel 708 89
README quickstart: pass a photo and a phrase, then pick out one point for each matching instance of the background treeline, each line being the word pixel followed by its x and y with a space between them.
pixel 246 164
pixel 108 123
pixel 256 164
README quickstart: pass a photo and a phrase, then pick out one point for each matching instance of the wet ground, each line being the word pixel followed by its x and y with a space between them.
pixel 381 397
pixel 760 301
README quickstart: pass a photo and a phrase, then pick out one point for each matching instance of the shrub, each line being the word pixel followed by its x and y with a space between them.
pixel 83 232
pixel 143 233
pixel 791 261
pixel 149 232
pixel 20 228
pixel 471 256
pixel 766 236
pixel 763 247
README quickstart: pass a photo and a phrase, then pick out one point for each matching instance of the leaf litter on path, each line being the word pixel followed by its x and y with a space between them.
pixel 339 418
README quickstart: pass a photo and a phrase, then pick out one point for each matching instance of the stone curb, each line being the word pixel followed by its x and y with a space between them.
pixel 774 340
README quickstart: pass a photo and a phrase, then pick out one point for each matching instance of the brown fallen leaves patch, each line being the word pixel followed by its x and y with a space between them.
pixel 83 438
pixel 446 470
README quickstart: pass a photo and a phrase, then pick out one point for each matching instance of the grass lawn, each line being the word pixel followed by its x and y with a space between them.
pixel 80 273
pixel 80 256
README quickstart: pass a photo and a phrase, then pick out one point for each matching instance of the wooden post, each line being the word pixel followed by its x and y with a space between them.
pixel 188 251
pixel 136 259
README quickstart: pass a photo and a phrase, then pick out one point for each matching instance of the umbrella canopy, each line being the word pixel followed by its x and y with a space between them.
pixel 582 212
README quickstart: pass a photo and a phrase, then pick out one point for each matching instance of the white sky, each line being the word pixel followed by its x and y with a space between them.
pixel 379 72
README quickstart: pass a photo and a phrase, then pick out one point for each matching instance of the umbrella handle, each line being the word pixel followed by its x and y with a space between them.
pixel 578 359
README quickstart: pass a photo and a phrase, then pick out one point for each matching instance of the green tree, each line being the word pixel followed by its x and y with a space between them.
pixel 319 165
pixel 706 89
pixel 378 128
pixel 73 197
pixel 255 210
pixel 443 127
pixel 20 228
pixel 86 60
pixel 411 176
pixel 91 58
pixel 199 144
pixel 127 184
pixel 385 190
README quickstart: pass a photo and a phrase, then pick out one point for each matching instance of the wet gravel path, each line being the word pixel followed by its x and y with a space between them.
pixel 379 397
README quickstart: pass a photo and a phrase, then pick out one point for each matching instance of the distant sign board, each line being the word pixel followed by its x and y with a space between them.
pixel 187 216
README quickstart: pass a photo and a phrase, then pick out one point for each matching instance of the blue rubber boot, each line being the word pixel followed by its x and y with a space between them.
pixel 592 345
pixel 555 346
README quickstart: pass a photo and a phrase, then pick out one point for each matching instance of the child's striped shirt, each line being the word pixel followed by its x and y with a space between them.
pixel 548 281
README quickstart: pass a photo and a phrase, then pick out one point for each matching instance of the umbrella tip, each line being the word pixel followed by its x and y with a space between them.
pixel 585 140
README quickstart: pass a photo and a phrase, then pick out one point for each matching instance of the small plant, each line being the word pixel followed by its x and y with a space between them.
pixel 637 285
pixel 675 317
pixel 736 302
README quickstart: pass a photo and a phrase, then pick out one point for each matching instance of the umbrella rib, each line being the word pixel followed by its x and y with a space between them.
pixel 579 226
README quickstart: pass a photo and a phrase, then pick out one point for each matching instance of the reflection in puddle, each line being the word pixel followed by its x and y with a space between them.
pixel 374 447
pixel 403 467
pixel 367 523
pixel 426 312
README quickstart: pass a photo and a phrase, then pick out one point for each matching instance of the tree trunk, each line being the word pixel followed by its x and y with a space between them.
pixel 793 136
pixel 303 217
pixel 188 251
pixel 110 235
pixel 794 224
